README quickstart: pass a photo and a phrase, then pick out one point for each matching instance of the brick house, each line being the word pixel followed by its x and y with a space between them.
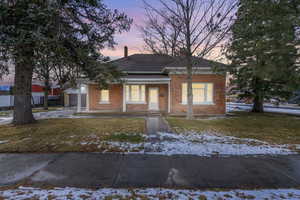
pixel 157 83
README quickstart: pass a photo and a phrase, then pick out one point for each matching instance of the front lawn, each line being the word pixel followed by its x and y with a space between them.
pixel 272 128
pixel 71 135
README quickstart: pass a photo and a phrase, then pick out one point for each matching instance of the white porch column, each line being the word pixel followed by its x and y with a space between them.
pixel 124 98
pixel 79 98
pixel 169 97
pixel 87 98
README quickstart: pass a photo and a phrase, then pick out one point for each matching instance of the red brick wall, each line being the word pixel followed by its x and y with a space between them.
pixel 218 97
pixel 115 98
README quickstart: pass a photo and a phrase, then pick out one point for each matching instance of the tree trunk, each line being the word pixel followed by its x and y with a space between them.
pixel 46 94
pixel 23 88
pixel 190 114
pixel 258 103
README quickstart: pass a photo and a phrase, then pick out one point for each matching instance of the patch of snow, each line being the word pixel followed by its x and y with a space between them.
pixel 54 114
pixel 125 146
pixel 5 120
pixel 245 107
pixel 3 142
pixel 199 144
pixel 207 144
pixel 45 115
pixel 150 193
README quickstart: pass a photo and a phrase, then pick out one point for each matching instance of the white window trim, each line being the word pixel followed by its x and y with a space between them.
pixel 140 90
pixel 205 92
pixel 104 102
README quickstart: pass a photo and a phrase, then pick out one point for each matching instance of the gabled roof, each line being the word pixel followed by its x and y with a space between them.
pixel 154 63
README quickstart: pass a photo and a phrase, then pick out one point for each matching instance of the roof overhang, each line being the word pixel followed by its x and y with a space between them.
pixel 146 80
pixel 183 70
pixel 143 72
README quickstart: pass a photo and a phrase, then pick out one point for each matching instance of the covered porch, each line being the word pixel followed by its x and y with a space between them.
pixel 136 94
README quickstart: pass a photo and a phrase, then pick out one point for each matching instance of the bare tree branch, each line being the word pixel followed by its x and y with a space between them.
pixel 192 27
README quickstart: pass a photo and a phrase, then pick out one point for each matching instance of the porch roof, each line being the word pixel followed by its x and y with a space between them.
pixel 146 79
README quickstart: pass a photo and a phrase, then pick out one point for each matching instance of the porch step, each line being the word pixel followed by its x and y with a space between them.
pixel 154 114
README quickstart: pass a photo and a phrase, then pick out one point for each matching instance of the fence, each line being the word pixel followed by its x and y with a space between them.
pixel 7 101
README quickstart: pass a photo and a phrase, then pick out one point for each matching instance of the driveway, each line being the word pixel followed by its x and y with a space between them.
pixel 142 170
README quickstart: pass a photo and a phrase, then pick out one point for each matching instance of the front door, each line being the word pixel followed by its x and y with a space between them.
pixel 153 99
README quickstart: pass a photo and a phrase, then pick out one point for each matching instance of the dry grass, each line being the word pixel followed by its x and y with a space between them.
pixel 273 128
pixel 70 135
pixel 37 110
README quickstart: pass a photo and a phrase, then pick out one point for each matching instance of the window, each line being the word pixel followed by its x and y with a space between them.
pixel 202 93
pixel 104 96
pixel 135 93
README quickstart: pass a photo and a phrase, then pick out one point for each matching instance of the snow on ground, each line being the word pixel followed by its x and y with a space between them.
pixel 54 114
pixel 44 115
pixel 204 144
pixel 3 142
pixel 110 146
pixel 151 194
pixel 207 144
pixel 245 107
pixel 5 120
pixel 126 146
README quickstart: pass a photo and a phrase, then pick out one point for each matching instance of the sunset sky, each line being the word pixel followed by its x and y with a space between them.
pixel 134 9
pixel 132 39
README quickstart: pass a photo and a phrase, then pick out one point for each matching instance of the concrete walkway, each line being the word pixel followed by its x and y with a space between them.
pixel 155 125
pixel 142 170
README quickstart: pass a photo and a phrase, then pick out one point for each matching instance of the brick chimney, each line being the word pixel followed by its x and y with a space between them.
pixel 125 51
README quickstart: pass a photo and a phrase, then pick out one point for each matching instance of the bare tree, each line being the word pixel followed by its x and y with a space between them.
pixel 200 26
pixel 44 72
pixel 161 36
pixel 65 76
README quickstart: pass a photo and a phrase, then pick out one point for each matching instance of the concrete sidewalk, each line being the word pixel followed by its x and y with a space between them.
pixel 142 170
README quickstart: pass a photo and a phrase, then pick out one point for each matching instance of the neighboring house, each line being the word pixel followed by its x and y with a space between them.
pixel 7 98
pixel 157 83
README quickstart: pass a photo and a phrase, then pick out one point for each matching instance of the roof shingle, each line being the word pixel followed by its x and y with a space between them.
pixel 156 63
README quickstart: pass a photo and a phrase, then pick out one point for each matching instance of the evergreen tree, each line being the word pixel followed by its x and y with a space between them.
pixel 263 50
pixel 70 32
